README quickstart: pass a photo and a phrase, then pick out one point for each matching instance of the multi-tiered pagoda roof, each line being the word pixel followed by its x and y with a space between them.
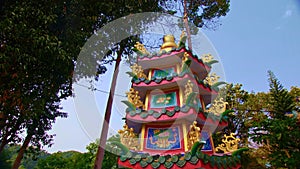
pixel 168 123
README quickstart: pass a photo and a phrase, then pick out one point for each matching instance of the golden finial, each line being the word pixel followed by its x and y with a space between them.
pixel 194 134
pixel 134 98
pixel 169 43
pixel 218 107
pixel 188 89
pixel 141 48
pixel 128 138
pixel 138 71
pixel 207 58
pixel 229 145
pixel 211 79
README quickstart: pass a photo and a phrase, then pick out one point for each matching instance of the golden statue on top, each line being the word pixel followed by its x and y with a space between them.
pixel 169 43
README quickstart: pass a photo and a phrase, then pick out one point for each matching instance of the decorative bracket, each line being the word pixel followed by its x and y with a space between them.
pixel 229 145
pixel 211 79
pixel 206 58
pixel 134 98
pixel 194 134
pixel 141 48
pixel 129 138
pixel 188 90
pixel 138 71
pixel 218 107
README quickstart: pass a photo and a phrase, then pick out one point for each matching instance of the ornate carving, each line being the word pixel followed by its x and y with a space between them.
pixel 129 138
pixel 141 48
pixel 218 107
pixel 134 98
pixel 211 79
pixel 164 100
pixel 207 58
pixel 194 134
pixel 138 71
pixel 188 90
pixel 185 57
pixel 230 144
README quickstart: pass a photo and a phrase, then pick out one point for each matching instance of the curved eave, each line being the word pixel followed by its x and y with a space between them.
pixel 199 164
pixel 198 67
pixel 159 61
pixel 163 118
pixel 190 115
pixel 173 58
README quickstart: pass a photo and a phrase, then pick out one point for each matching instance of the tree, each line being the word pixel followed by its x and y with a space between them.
pixel 250 110
pixel 73 159
pixel 277 130
pixel 39 43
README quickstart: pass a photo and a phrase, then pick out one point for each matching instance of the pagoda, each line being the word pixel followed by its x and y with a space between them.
pixel 169 122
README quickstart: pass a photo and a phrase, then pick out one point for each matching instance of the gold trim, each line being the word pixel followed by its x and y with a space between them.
pixel 150 74
pixel 177 68
pixel 142 137
pixel 185 135
pixel 202 103
pixel 146 101
pixel 180 96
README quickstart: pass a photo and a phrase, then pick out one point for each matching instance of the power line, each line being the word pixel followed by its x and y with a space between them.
pixel 102 91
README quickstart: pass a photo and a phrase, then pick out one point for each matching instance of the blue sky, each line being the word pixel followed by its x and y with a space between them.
pixel 255 36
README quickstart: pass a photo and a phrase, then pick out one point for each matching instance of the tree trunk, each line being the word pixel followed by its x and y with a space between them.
pixel 105 125
pixel 186 24
pixel 3 143
pixel 17 161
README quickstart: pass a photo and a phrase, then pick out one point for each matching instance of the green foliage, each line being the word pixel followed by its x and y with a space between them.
pixel 276 130
pixel 202 13
pixel 263 117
